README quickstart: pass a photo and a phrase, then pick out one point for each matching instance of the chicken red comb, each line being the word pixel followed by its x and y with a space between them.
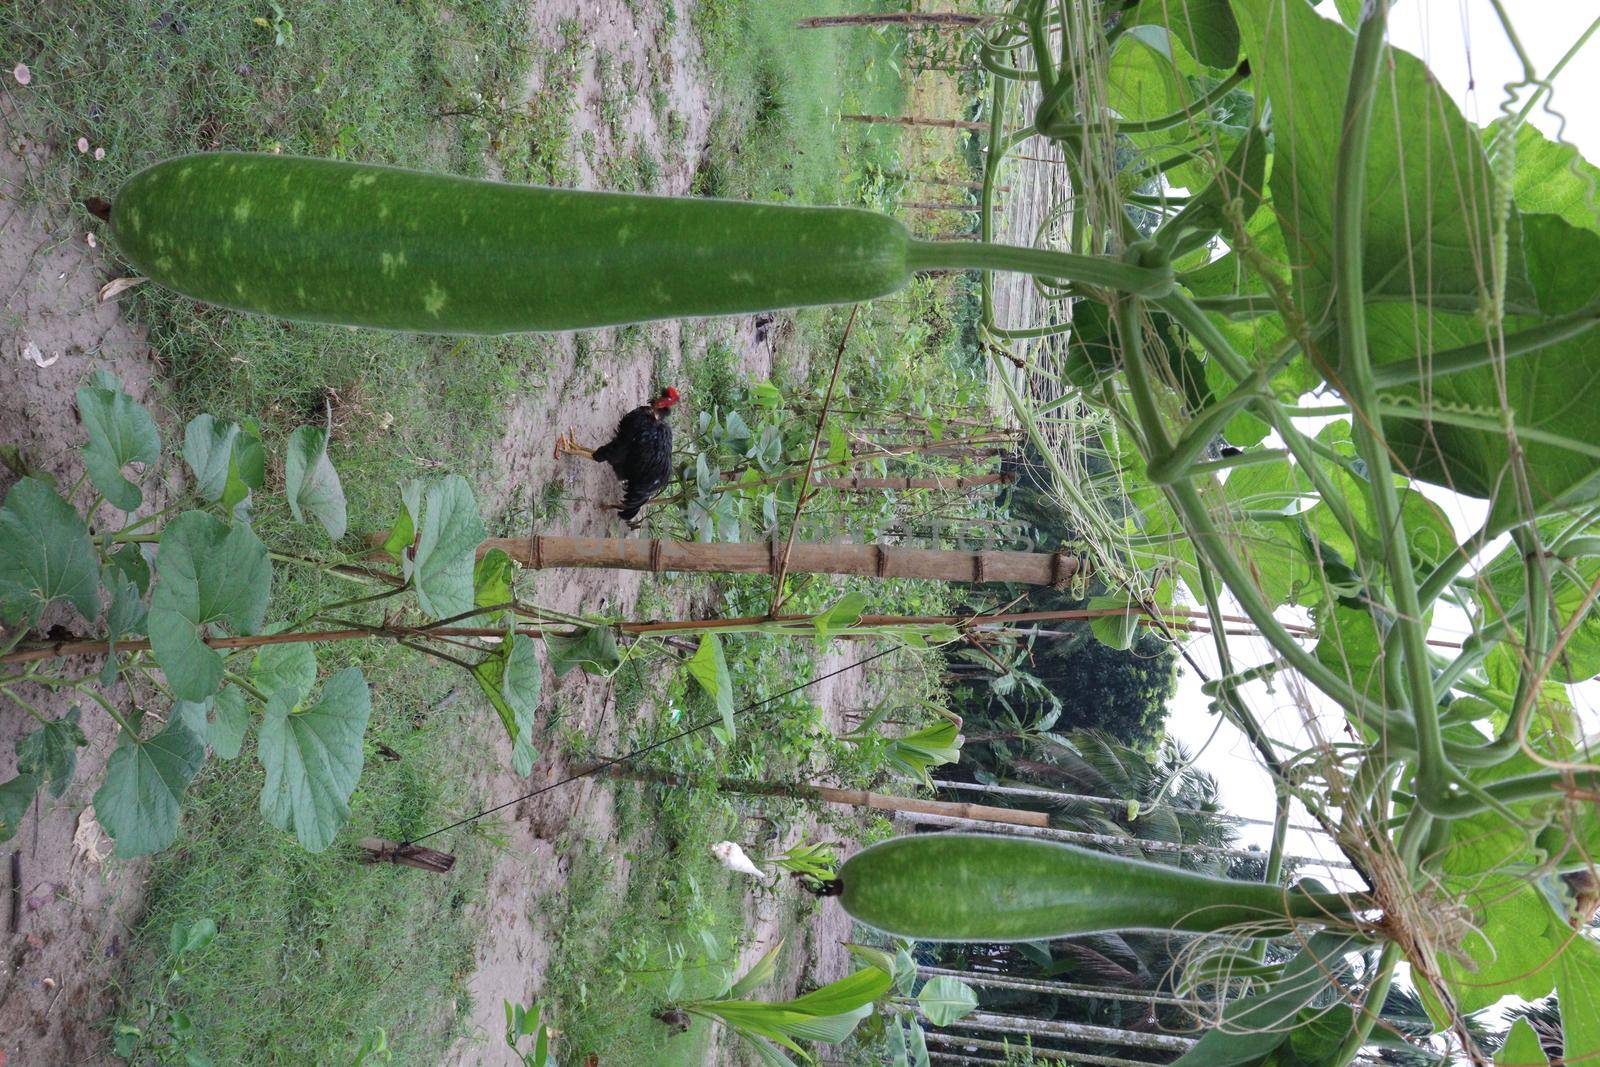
pixel 669 397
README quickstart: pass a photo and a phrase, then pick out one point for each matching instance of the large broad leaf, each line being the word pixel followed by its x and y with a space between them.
pixel 210 573
pixel 403 534
pixel 311 483
pixel 1115 631
pixel 50 753
pixel 1522 1048
pixel 222 720
pixel 228 723
pixel 449 533
pixel 510 679
pixel 208 448
pixel 594 648
pixel 1578 988
pixel 1142 82
pixel 312 757
pixel 277 668
pixel 1504 587
pixel 1429 187
pixel 761 970
pixel 854 991
pixel 919 1044
pixel 1255 1025
pixel 16 795
pixel 120 432
pixel 247 468
pixel 1350 643
pixel 709 667
pixel 1515 935
pixel 129 559
pixel 45 555
pixel 1205 27
pixel 491 582
pixel 1550 395
pixel 1554 179
pixel 944 1000
pixel 139 801
pixel 128 613
pixel 840 615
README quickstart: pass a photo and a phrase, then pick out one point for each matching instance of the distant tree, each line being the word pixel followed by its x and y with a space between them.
pixel 1121 692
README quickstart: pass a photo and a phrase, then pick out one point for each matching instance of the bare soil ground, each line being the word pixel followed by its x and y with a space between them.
pixel 74 910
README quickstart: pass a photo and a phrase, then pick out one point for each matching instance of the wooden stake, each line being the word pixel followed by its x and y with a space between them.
pixel 403 855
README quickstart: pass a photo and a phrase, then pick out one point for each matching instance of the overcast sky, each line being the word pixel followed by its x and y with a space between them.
pixel 1464 45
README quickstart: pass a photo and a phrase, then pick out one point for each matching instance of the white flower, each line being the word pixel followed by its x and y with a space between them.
pixel 22 74
pixel 732 857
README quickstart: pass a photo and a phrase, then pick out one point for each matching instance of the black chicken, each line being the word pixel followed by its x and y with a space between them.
pixel 640 453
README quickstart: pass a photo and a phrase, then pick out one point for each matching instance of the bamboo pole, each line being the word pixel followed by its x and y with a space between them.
pixel 917 121
pixel 965 482
pixel 940 205
pixel 1065 1031
pixel 1064 989
pixel 1057 796
pixel 852 798
pixel 1055 1056
pixel 901 18
pixel 1116 841
pixel 542 552
pixel 951 183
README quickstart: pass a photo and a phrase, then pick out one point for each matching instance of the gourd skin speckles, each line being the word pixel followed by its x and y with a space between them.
pixel 362 245
pixel 984 887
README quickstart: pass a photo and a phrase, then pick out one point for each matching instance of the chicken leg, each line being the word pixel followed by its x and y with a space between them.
pixel 567 446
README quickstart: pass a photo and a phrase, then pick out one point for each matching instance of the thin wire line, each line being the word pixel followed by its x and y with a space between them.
pixel 650 747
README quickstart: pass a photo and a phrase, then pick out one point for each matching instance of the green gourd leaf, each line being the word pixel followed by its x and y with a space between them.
pixel 120 432
pixel 45 555
pixel 311 483
pixel 210 573
pixel 50 753
pixel 208 449
pixel 944 1000
pixel 139 801
pixel 593 648
pixel 709 667
pixel 511 680
pixel 312 757
pixel 449 532
pixel 16 797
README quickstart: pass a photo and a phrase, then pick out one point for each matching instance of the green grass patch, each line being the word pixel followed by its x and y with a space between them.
pixel 781 91
pixel 316 951
pixel 665 933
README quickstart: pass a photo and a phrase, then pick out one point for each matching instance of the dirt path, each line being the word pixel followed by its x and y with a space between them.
pixel 75 913
pixel 587 400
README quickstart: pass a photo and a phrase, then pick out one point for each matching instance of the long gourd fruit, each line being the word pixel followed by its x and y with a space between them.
pixel 326 241
pixel 363 245
pixel 985 887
